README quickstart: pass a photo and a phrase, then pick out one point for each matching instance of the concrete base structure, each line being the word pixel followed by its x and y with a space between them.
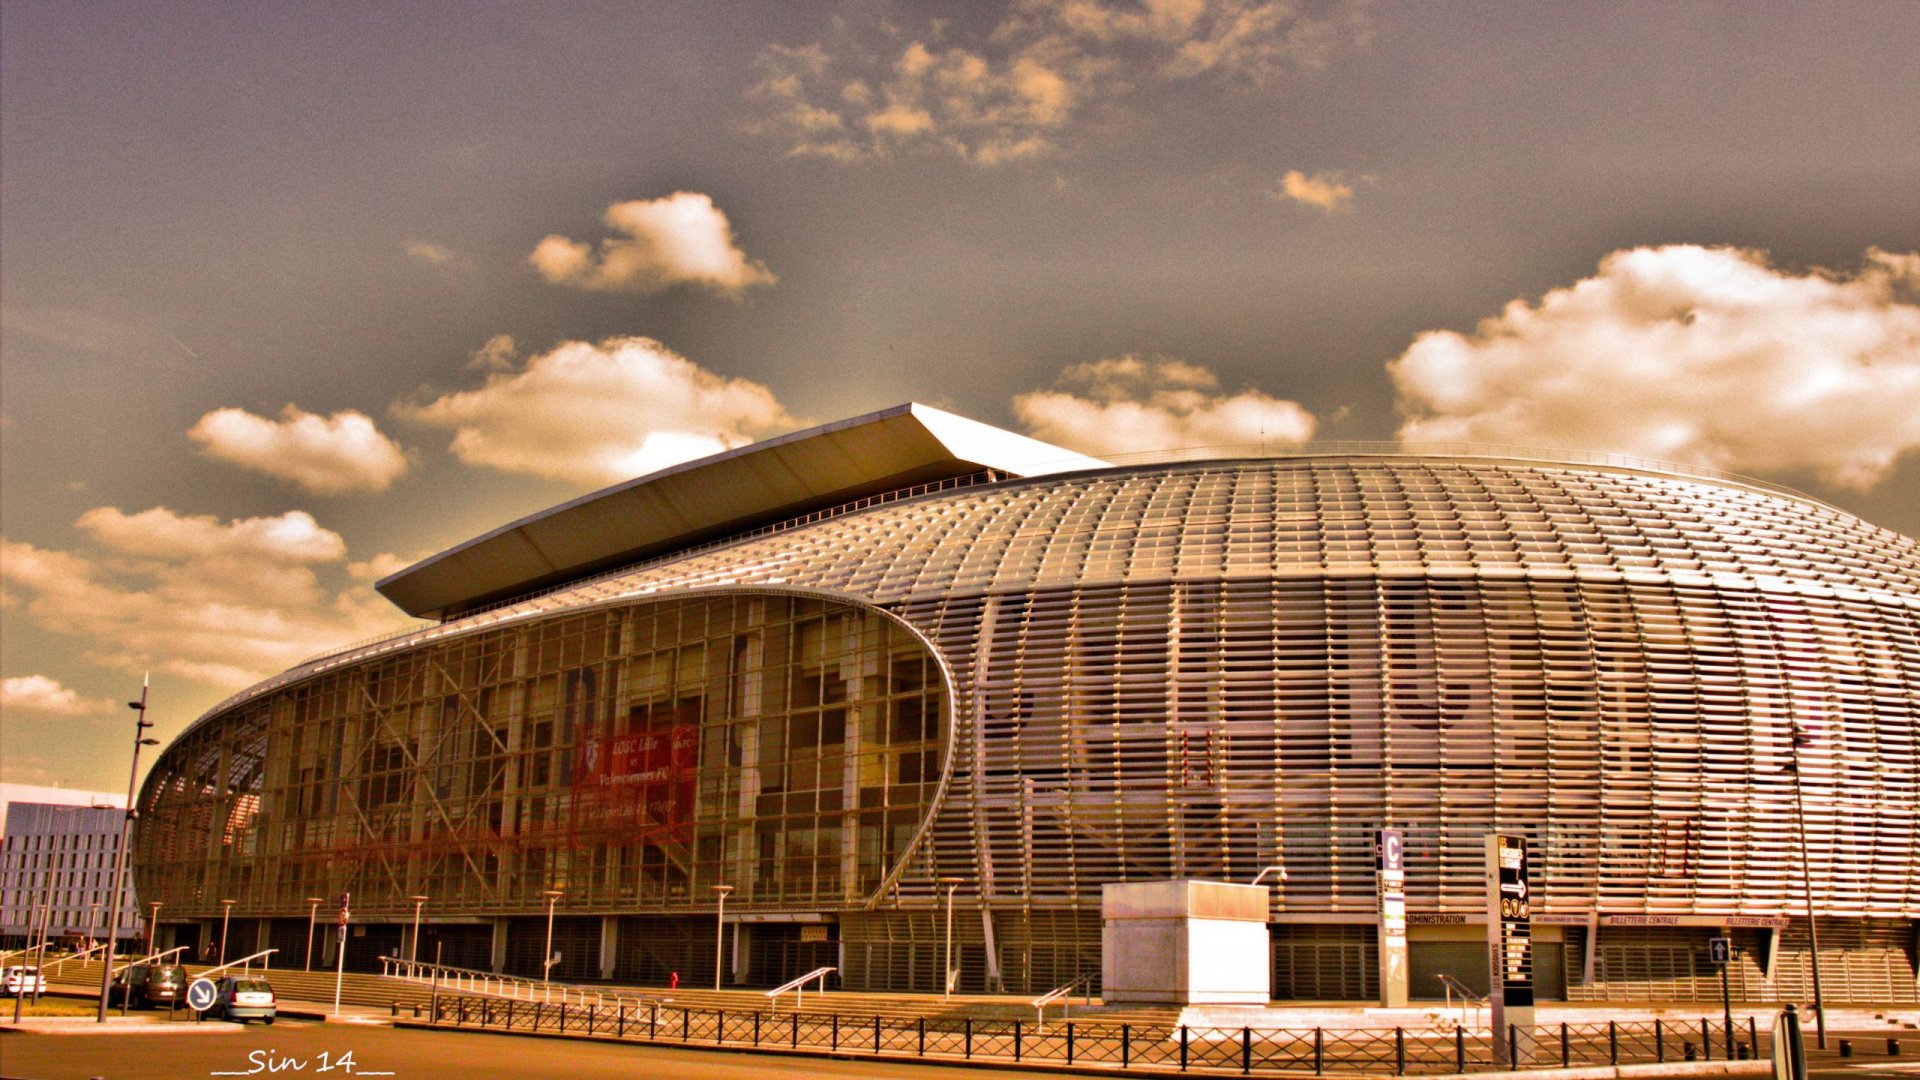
pixel 1184 942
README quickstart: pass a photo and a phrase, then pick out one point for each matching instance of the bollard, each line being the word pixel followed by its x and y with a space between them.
pixel 1069 1042
pixel 1846 1048
pixel 1183 1048
pixel 876 1034
pixel 921 1026
pixel 1459 1048
pixel 1016 1040
pixel 1246 1051
pixel 1319 1053
pixel 1400 1051
pixel 1893 1047
pixel 1126 1045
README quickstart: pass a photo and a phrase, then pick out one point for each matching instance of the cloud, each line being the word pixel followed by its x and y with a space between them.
pixel 1129 404
pixel 1323 191
pixel 432 254
pixel 41 696
pixel 1708 356
pixel 682 239
pixel 875 87
pixel 221 602
pixel 601 413
pixel 326 455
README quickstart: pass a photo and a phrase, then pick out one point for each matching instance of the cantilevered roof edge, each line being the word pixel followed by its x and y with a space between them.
pixel 710 497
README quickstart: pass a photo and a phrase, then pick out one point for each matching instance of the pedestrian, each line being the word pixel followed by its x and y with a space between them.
pixel 673 981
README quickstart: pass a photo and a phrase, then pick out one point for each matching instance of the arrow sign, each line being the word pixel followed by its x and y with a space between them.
pixel 200 995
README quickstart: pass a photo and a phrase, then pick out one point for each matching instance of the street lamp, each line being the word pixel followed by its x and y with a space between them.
pixel 313 909
pixel 946 970
pixel 140 726
pixel 153 923
pixel 719 931
pixel 226 916
pixel 413 952
pixel 546 958
pixel 1798 736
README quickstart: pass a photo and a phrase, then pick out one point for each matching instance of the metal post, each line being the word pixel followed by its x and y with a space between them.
pixel 413 951
pixel 1726 1003
pixel 313 909
pixel 226 918
pixel 719 931
pixel 946 969
pixel 140 725
pixel 1806 881
pixel 153 923
pixel 546 957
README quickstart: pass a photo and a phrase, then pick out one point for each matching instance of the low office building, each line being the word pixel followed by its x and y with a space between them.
pixel 830 675
pixel 56 865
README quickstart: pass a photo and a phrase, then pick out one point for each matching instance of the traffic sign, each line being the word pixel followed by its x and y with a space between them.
pixel 200 994
pixel 1720 950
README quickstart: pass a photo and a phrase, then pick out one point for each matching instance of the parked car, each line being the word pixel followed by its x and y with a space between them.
pixel 149 985
pixel 25 980
pixel 243 998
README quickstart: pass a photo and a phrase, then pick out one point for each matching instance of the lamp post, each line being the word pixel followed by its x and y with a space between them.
pixel 1798 735
pixel 140 726
pixel 413 950
pixel 546 958
pixel 719 931
pixel 226 917
pixel 313 911
pixel 153 923
pixel 946 969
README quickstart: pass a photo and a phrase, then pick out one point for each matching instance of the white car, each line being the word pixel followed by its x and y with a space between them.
pixel 25 980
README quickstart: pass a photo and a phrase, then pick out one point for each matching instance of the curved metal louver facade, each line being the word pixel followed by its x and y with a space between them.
pixel 1203 669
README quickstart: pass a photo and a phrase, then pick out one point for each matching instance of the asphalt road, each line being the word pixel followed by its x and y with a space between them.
pixel 300 1049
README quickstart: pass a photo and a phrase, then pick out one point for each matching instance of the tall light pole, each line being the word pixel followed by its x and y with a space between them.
pixel 946 969
pixel 226 917
pixel 719 931
pixel 140 726
pixel 1806 880
pixel 153 923
pixel 546 958
pixel 313 910
pixel 413 952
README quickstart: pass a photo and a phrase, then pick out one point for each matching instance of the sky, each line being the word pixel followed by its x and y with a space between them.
pixel 293 295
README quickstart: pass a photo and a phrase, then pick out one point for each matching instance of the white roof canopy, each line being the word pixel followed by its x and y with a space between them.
pixel 718 496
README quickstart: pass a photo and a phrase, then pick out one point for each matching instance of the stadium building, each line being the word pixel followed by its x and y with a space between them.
pixel 842 670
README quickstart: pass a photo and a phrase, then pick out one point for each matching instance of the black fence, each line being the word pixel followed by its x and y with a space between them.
pixel 1213 1050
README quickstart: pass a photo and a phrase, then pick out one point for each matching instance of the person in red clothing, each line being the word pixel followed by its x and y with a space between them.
pixel 673 981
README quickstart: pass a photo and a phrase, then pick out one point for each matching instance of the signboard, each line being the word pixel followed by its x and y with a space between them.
pixel 640 784
pixel 345 898
pixel 1509 946
pixel 200 994
pixel 1391 863
pixel 1719 950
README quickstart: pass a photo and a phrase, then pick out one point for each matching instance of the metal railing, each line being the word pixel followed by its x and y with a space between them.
pixel 798 986
pixel 1064 995
pixel 150 958
pixel 1468 999
pixel 245 962
pixel 46 969
pixel 458 980
pixel 1388 1051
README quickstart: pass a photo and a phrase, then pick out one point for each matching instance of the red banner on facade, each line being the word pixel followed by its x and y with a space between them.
pixel 640 784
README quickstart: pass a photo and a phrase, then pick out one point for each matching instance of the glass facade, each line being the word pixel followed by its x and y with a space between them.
pixel 632 755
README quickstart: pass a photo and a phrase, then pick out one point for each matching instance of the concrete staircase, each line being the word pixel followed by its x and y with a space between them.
pixel 314 990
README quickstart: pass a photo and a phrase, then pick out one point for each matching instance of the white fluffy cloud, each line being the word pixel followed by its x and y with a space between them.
pixel 682 239
pixel 1708 356
pixel 326 455
pixel 221 602
pixel 1322 191
pixel 38 695
pixel 1124 405
pixel 601 413
pixel 875 86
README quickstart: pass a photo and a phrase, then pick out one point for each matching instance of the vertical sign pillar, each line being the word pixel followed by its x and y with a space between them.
pixel 1509 948
pixel 1392 936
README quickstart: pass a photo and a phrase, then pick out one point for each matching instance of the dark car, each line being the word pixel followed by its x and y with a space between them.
pixel 149 985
